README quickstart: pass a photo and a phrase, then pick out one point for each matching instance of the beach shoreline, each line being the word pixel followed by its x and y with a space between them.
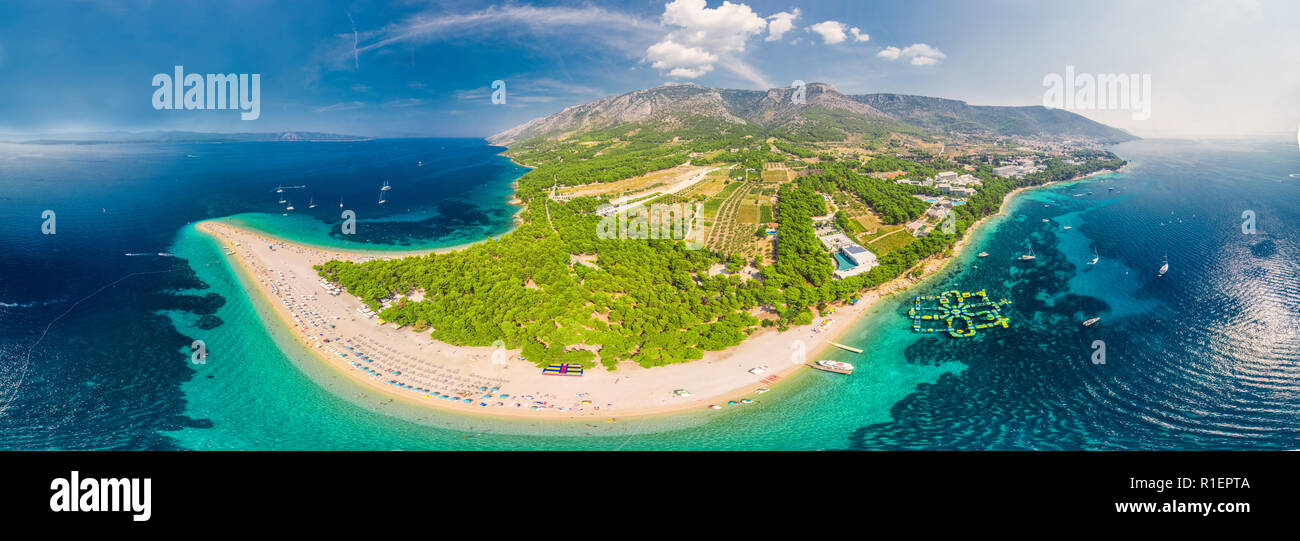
pixel 488 386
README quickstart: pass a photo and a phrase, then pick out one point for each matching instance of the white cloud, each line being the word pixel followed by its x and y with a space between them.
pixel 408 102
pixel 725 28
pixel 921 49
pixel 781 23
pixel 918 54
pixel 690 73
pixel 669 54
pixel 341 106
pixel 704 36
pixel 832 32
pixel 436 25
pixel 525 89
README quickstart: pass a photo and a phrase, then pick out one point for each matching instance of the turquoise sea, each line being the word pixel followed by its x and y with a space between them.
pixel 1207 356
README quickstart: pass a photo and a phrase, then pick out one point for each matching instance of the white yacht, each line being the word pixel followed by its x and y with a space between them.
pixel 833 366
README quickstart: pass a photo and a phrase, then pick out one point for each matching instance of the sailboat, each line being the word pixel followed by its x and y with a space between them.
pixel 290 207
pixel 1164 268
pixel 279 188
pixel 1095 257
pixel 386 187
pixel 381 197
pixel 1029 256
pixel 311 203
pixel 340 201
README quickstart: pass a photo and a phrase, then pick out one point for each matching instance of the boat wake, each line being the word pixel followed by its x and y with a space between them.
pixel 32 304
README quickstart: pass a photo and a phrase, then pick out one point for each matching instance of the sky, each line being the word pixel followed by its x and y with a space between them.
pixel 1223 68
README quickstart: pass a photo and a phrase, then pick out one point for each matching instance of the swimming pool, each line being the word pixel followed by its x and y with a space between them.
pixel 843 262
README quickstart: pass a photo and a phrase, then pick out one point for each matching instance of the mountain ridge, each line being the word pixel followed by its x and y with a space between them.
pixel 774 110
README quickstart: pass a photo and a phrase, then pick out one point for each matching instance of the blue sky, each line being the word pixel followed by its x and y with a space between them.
pixel 424 68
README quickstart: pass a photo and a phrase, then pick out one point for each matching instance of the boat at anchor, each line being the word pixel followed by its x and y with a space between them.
pixel 837 367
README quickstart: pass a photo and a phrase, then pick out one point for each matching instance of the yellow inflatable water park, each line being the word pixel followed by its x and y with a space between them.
pixel 959 313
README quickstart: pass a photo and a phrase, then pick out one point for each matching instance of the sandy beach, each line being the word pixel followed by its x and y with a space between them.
pixel 411 367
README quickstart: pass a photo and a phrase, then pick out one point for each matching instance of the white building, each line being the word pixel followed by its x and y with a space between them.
pixel 862 258
pixel 1008 171
pixel 859 255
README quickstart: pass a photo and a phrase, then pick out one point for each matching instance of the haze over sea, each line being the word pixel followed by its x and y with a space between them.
pixel 95 345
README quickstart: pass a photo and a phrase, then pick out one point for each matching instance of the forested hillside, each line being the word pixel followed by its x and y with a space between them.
pixel 557 290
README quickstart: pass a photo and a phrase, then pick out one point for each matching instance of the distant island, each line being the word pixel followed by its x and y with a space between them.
pixel 90 138
pixel 805 204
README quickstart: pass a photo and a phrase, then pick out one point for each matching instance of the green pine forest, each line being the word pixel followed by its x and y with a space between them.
pixel 653 301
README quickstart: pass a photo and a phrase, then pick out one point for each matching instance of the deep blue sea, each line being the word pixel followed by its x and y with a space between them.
pixel 94 344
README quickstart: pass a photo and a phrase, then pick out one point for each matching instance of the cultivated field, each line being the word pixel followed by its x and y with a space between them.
pixel 635 187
